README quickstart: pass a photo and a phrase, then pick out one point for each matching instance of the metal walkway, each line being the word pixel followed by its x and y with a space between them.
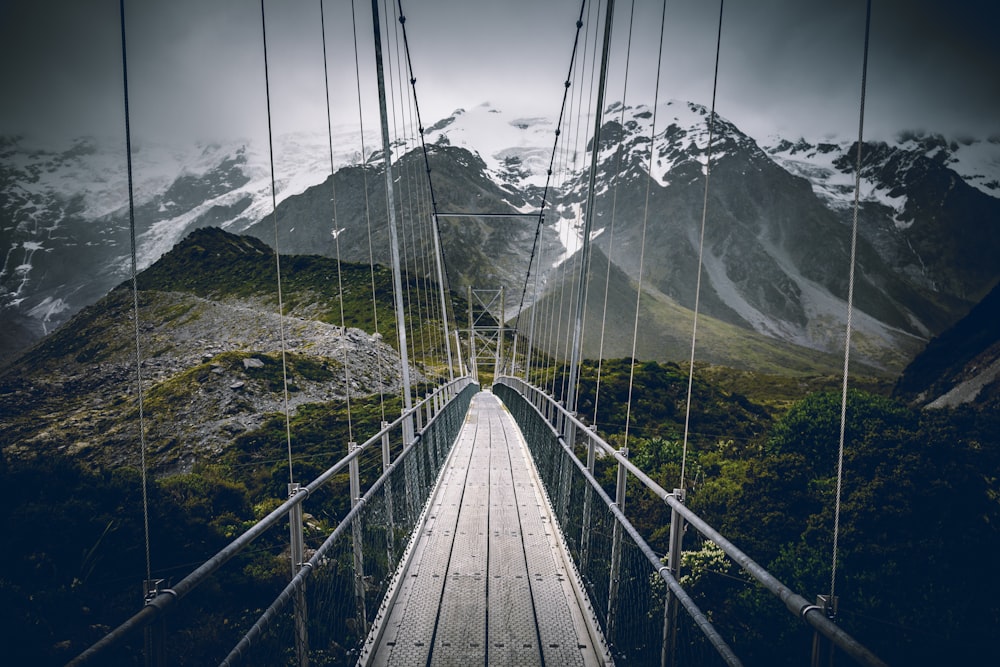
pixel 486 581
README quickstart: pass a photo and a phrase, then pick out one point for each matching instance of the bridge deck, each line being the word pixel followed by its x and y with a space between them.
pixel 486 582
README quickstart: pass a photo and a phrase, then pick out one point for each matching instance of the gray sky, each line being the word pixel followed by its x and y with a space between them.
pixel 787 66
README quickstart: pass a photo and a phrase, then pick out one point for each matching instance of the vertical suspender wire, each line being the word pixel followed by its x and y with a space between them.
pixel 554 309
pixel 566 163
pixel 440 265
pixel 850 305
pixel 568 171
pixel 614 208
pixel 574 370
pixel 701 245
pixel 404 361
pixel 368 215
pixel 336 236
pixel 586 249
pixel 277 253
pixel 418 273
pixel 397 217
pixel 645 219
pixel 541 211
pixel 135 299
pixel 409 257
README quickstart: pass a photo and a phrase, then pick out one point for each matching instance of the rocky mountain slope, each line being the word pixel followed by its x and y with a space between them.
pixel 210 340
pixel 962 365
pixel 777 227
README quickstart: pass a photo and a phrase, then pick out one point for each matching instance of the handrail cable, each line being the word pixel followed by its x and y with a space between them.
pixel 277 253
pixel 614 208
pixel 645 220
pixel 794 603
pixel 336 232
pixel 701 246
pixel 368 215
pixel 850 307
pixel 134 270
pixel 166 599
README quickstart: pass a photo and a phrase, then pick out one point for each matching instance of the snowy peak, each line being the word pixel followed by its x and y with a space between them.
pixel 888 171
pixel 977 161
pixel 515 150
pixel 680 133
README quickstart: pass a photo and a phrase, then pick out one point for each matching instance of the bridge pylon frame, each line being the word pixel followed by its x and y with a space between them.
pixel 486 330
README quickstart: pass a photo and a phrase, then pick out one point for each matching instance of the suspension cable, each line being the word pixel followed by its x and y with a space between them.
pixel 571 154
pixel 368 216
pixel 535 246
pixel 614 208
pixel 336 232
pixel 850 304
pixel 701 246
pixel 408 253
pixel 567 166
pixel 590 214
pixel 586 247
pixel 135 298
pixel 441 266
pixel 536 249
pixel 418 258
pixel 401 333
pixel 277 253
pixel 645 219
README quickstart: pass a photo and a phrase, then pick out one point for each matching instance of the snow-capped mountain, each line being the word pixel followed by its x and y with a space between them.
pixel 516 150
pixel 776 237
pixel 64 213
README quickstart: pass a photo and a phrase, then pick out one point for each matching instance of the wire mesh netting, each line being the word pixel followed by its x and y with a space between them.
pixel 248 607
pixel 328 613
pixel 627 594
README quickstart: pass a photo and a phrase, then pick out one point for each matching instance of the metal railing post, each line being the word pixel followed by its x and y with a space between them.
pixel 297 549
pixel 408 489
pixel 473 360
pixel 155 632
pixel 670 602
pixel 616 548
pixel 356 538
pixel 390 529
pixel 588 493
pixel 569 434
pixel 822 648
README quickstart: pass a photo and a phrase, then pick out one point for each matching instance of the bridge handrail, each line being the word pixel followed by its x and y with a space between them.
pixel 165 599
pixel 795 603
pixel 662 571
pixel 297 581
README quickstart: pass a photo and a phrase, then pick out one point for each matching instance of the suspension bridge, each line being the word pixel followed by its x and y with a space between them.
pixel 478 530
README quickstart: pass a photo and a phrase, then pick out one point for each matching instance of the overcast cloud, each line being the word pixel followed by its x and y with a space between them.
pixel 787 66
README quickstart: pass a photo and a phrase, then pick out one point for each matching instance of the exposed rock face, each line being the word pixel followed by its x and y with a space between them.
pixel 961 366
pixel 777 232
pixel 211 369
